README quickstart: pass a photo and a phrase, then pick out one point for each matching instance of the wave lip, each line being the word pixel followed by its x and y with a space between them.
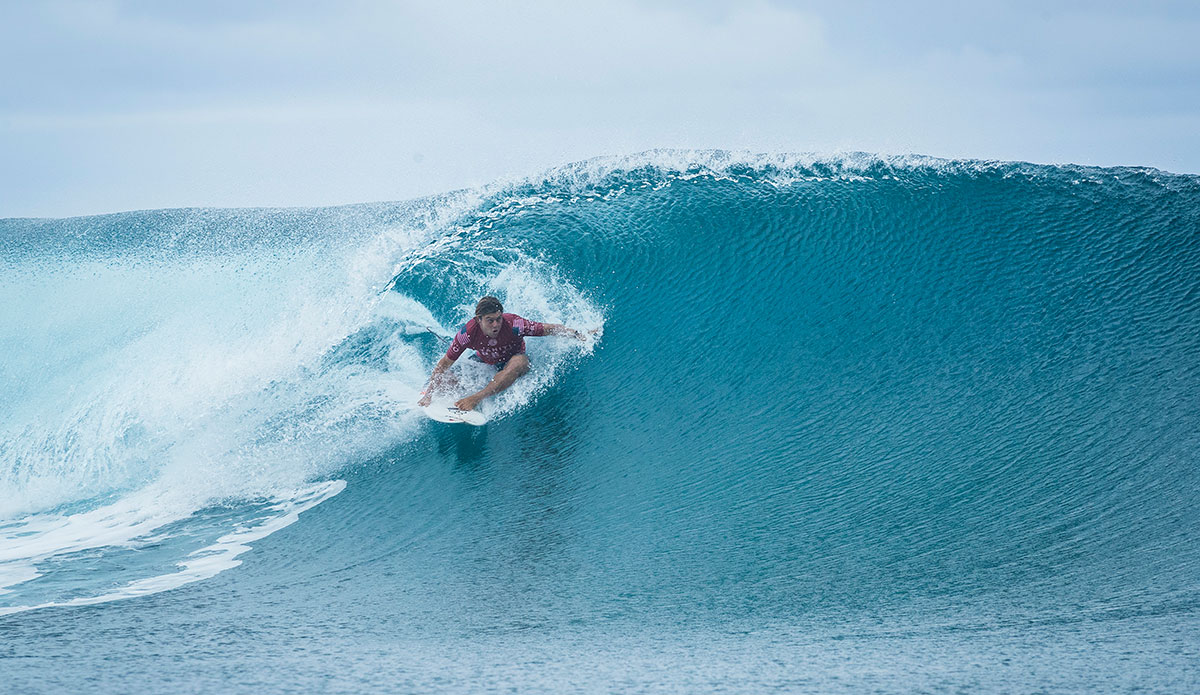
pixel 784 168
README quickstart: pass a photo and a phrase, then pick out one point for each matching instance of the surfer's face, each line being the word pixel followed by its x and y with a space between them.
pixel 490 323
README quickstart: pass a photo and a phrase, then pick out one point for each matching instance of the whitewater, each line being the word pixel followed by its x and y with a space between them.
pixel 851 423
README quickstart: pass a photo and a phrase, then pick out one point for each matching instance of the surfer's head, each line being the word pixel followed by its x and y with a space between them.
pixel 488 305
pixel 489 313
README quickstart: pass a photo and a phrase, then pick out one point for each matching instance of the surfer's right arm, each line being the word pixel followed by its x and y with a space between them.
pixel 435 380
pixel 439 378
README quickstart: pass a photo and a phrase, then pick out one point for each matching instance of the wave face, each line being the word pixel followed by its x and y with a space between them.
pixel 850 405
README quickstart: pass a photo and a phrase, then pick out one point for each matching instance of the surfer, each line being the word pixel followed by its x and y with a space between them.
pixel 498 339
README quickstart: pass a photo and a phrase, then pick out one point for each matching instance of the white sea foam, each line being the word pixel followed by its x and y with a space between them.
pixel 146 387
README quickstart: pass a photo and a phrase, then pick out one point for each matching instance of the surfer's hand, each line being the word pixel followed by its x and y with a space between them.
pixel 467 403
pixel 425 399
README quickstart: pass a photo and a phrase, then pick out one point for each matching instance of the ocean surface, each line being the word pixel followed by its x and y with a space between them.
pixel 851 424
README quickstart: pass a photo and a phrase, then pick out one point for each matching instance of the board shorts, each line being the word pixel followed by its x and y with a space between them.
pixel 499 365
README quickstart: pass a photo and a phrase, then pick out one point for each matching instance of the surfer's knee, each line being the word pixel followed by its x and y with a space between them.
pixel 518 364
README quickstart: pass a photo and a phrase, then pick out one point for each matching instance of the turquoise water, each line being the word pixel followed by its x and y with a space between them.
pixel 851 424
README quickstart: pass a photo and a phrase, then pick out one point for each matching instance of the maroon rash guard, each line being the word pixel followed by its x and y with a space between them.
pixel 510 341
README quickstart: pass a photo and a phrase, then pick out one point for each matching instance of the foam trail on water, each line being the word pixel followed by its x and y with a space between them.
pixel 108 529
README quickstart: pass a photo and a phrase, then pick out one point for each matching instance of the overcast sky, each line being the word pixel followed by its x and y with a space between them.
pixel 108 106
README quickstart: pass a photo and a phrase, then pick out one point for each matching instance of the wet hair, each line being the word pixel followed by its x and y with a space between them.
pixel 488 305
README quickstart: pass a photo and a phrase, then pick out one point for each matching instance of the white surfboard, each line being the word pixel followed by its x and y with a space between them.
pixel 448 413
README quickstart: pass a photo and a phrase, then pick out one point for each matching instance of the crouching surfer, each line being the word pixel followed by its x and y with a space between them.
pixel 497 339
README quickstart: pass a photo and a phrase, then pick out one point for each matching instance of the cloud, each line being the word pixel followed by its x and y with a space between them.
pixel 133 54
pixel 140 104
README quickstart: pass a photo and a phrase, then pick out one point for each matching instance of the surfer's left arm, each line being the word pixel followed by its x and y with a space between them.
pixel 525 327
pixel 559 329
